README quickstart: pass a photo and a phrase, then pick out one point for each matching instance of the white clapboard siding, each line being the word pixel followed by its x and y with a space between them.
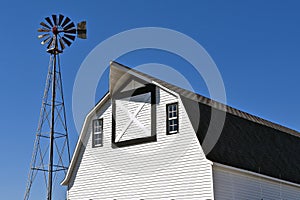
pixel 231 183
pixel 174 167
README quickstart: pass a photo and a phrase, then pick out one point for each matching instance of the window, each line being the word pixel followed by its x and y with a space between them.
pixel 134 115
pixel 97 132
pixel 172 118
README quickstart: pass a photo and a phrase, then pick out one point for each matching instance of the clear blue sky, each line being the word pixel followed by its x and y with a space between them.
pixel 255 45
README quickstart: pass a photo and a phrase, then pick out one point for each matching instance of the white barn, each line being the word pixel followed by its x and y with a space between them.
pixel 143 140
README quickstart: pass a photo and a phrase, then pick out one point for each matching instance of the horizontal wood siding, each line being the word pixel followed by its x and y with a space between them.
pixel 230 185
pixel 174 167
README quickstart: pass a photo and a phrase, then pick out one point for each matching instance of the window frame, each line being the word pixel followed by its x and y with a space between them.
pixel 94 145
pixel 146 89
pixel 168 119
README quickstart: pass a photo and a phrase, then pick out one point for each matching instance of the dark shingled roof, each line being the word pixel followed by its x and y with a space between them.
pixel 249 145
pixel 246 141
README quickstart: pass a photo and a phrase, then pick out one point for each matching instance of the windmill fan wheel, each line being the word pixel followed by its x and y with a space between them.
pixel 59 31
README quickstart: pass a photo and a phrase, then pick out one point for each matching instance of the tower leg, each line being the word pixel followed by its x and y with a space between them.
pixel 50 166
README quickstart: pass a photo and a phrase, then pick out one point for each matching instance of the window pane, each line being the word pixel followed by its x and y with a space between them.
pixel 175 108
pixel 97 136
pixel 176 121
pixel 97 142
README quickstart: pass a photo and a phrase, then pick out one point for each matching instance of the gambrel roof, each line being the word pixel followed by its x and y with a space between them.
pixel 246 141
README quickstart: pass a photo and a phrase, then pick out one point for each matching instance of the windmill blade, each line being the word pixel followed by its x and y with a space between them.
pixel 54 17
pixel 71 25
pixel 81 30
pixel 49 21
pixel 43 30
pixel 72 31
pixel 61 17
pixel 46 40
pixel 42 36
pixel 62 44
pixel 66 41
pixel 45 25
pixel 67 20
pixel 71 37
pixel 50 43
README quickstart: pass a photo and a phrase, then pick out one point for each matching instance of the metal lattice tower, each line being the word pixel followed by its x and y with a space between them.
pixel 51 153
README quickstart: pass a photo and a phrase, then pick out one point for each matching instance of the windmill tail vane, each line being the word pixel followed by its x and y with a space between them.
pixel 51 154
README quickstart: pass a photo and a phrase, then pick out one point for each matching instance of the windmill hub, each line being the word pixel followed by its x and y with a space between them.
pixel 55 30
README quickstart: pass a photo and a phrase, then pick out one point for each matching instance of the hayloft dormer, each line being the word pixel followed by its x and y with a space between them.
pixel 133 109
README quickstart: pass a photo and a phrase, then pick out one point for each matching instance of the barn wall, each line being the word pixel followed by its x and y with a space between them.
pixel 230 184
pixel 174 167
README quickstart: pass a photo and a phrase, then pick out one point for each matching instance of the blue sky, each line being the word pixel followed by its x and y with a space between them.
pixel 255 45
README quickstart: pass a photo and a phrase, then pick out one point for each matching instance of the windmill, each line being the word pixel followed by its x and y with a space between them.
pixel 51 154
